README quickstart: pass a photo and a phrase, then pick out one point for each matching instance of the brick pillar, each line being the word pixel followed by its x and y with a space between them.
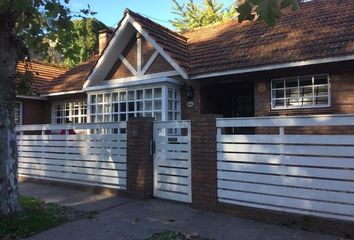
pixel 139 158
pixel 204 179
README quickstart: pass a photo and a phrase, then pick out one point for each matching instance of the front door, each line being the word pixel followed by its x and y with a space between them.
pixel 238 102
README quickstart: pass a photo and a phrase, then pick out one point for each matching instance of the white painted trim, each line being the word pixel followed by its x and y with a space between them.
pixel 108 48
pixel 130 83
pixel 138 55
pixel 21 112
pixel 141 77
pixel 31 97
pixel 128 65
pixel 158 48
pixel 149 62
pixel 274 66
pixel 61 93
pixel 274 108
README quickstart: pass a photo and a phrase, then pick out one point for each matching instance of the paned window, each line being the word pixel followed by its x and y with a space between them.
pixel 70 112
pixel 18 113
pixel 120 105
pixel 301 92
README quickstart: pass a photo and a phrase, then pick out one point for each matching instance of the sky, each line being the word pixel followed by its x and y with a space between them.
pixel 111 11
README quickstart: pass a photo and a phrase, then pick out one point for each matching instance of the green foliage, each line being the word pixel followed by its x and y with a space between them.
pixel 80 43
pixel 36 217
pixel 25 84
pixel 267 10
pixel 37 24
pixel 191 15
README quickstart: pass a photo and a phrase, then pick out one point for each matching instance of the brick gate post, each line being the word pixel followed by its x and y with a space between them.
pixel 204 165
pixel 139 158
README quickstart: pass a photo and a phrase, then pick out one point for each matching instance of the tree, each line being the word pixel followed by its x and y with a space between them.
pixel 76 46
pixel 267 10
pixel 84 42
pixel 192 15
pixel 21 21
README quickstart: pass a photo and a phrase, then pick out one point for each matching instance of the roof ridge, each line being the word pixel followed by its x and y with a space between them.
pixel 130 12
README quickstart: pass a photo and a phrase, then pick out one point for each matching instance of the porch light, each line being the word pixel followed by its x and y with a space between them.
pixel 190 92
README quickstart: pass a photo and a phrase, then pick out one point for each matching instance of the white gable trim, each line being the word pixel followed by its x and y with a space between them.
pixel 149 62
pixel 118 33
pixel 138 55
pixel 128 65
pixel 108 48
pixel 158 48
pixel 274 66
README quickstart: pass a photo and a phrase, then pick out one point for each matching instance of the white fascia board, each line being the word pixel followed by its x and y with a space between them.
pixel 106 51
pixel 158 48
pixel 61 93
pixel 123 83
pixel 31 97
pixel 274 66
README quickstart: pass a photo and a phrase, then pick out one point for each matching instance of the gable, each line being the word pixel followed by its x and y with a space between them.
pixel 119 70
pixel 132 48
pixel 138 58
pixel 159 65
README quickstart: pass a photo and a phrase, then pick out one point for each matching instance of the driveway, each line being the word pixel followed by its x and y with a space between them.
pixel 122 219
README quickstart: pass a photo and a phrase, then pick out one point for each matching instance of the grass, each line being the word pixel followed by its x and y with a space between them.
pixel 170 235
pixel 36 217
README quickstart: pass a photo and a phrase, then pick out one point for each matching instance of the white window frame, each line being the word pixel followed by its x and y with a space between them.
pixel 20 117
pixel 272 99
pixel 164 101
pixel 80 116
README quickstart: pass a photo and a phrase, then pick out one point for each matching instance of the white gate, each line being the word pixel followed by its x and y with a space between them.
pixel 172 160
pixel 308 170
pixel 90 154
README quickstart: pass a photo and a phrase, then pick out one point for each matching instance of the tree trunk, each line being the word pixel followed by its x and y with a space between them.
pixel 9 192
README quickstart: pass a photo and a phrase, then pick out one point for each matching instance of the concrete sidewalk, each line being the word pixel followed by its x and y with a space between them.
pixel 123 219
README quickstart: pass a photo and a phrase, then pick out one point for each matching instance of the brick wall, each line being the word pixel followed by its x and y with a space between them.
pixel 204 179
pixel 32 110
pixel 139 158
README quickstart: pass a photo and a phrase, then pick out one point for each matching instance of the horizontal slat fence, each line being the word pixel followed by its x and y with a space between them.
pixel 89 154
pixel 298 172
pixel 172 160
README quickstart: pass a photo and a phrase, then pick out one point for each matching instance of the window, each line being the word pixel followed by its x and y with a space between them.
pixel 301 92
pixel 66 112
pixel 18 113
pixel 121 105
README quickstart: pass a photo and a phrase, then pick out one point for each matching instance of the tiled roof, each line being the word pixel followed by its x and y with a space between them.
pixel 174 44
pixel 320 29
pixel 43 73
pixel 71 80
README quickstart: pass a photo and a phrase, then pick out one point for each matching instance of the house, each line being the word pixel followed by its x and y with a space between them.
pixel 303 65
pixel 226 99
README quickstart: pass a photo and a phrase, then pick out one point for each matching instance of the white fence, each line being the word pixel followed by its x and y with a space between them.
pixel 302 173
pixel 172 160
pixel 90 154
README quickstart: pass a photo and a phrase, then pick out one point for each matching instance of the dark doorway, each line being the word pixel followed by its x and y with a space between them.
pixel 230 100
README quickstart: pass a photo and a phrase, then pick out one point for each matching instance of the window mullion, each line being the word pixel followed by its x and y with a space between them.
pixel 164 102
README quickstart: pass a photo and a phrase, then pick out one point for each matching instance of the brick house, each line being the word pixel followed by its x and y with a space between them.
pixel 303 65
pixel 231 91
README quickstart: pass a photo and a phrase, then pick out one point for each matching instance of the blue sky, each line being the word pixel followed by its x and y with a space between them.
pixel 111 11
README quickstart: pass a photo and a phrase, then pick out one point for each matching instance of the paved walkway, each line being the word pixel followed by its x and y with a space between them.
pixel 123 219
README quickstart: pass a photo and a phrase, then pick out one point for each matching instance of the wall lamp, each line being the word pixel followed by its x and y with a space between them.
pixel 190 92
